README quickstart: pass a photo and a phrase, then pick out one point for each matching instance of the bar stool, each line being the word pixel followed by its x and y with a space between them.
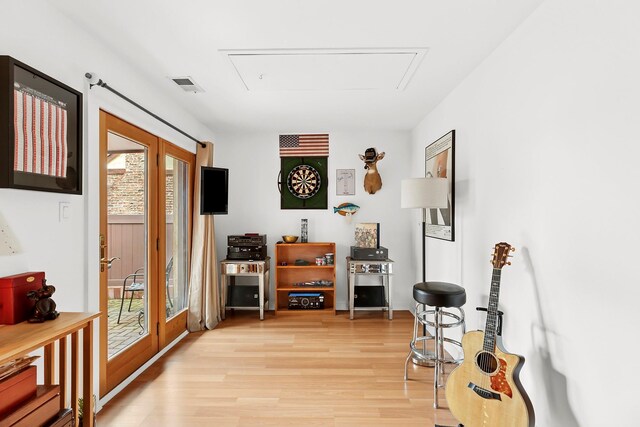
pixel 437 295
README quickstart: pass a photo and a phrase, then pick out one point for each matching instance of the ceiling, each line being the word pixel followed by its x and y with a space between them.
pixel 294 65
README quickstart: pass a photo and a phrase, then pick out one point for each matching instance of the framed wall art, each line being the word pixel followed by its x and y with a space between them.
pixel 440 163
pixel 345 182
pixel 40 131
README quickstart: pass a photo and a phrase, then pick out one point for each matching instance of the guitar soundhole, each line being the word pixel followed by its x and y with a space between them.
pixel 487 362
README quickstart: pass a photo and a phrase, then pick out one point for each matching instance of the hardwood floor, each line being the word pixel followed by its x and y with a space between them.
pixel 288 370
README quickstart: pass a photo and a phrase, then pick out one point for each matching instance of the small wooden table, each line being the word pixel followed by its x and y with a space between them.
pixel 21 339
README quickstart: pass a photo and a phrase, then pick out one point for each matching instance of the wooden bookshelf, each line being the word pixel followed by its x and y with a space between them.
pixel 289 274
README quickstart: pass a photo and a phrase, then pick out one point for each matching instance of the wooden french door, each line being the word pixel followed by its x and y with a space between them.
pixel 145 211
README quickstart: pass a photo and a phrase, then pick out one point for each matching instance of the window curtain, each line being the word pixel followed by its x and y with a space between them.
pixel 204 299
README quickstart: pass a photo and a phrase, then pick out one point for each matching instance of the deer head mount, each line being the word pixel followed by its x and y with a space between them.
pixel 372 179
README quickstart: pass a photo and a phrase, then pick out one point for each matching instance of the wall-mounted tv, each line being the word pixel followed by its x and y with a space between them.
pixel 214 191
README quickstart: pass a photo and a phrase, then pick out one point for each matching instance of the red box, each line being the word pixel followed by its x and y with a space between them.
pixel 15 307
pixel 17 388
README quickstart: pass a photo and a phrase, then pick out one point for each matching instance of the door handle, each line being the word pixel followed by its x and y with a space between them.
pixel 107 262
pixel 103 252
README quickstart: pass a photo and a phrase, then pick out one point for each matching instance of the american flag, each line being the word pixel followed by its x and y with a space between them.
pixel 40 127
pixel 312 145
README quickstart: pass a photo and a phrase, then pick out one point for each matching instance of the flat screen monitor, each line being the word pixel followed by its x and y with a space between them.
pixel 214 191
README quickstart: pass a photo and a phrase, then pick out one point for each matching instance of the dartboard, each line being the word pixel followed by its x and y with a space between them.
pixel 303 181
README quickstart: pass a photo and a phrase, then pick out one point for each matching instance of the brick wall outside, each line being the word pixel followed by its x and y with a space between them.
pixel 125 187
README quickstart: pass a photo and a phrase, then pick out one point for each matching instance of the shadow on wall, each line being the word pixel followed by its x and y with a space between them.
pixel 554 381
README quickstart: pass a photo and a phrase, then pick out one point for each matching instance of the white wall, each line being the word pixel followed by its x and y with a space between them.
pixel 254 201
pixel 547 160
pixel 68 252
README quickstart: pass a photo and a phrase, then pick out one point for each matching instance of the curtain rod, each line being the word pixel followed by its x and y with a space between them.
pixel 95 81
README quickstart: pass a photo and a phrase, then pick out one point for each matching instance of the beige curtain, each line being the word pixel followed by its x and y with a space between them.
pixel 204 298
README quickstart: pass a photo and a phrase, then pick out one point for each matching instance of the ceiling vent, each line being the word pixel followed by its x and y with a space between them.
pixel 187 84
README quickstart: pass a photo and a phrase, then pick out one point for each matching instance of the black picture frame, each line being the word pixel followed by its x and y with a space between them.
pixel 49 158
pixel 439 162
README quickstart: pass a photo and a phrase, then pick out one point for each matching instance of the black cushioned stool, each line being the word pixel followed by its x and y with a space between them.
pixel 437 296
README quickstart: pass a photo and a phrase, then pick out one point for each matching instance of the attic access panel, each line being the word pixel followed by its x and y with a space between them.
pixel 310 69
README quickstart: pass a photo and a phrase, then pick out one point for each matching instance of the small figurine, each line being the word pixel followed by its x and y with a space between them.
pixel 45 307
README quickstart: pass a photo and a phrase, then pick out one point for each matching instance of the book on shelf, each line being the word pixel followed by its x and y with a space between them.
pixel 367 235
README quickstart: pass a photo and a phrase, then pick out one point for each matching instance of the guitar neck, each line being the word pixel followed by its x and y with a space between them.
pixel 491 327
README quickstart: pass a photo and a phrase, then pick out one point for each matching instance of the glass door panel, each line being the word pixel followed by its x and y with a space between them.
pixel 128 243
pixel 177 235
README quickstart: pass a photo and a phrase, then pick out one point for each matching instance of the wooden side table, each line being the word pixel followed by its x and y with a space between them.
pixel 375 268
pixel 230 269
pixel 21 339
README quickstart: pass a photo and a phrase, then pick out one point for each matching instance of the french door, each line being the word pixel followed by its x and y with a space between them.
pixel 145 209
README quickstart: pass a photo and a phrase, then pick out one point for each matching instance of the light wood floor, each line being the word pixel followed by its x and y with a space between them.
pixel 288 370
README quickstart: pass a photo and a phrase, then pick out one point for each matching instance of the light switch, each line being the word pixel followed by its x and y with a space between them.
pixel 64 211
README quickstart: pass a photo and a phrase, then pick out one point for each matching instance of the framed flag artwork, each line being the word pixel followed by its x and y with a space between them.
pixel 40 131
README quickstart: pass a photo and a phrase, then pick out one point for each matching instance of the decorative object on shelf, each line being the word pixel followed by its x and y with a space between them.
pixel 45 307
pixel 304 230
pixel 345 182
pixel 329 257
pixel 303 167
pixel 372 179
pixel 347 210
pixel 290 239
pixel 423 193
pixel 15 305
pixel 440 163
pixel 41 132
pixel 367 235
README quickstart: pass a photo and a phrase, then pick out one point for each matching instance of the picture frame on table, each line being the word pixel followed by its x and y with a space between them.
pixel 40 131
pixel 440 163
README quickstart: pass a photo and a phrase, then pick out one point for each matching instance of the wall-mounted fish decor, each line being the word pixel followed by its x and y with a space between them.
pixel 346 210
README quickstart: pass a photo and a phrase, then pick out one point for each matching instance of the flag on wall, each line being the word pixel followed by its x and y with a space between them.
pixel 40 126
pixel 312 145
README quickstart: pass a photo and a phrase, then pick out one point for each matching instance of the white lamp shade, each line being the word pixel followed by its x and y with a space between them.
pixel 424 193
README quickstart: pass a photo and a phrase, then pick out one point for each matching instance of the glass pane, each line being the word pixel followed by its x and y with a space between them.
pixel 177 186
pixel 127 217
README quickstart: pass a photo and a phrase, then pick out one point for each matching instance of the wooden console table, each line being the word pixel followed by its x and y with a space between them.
pixel 21 339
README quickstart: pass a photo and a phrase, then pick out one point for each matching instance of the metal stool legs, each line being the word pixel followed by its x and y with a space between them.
pixel 438 358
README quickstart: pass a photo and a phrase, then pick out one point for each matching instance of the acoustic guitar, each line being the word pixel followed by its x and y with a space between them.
pixel 485 389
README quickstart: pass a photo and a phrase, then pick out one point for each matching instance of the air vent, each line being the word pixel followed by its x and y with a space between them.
pixel 187 84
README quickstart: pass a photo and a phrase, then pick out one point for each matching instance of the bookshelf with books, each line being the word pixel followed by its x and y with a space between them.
pixel 297 272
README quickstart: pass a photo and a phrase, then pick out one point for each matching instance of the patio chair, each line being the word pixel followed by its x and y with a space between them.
pixel 137 285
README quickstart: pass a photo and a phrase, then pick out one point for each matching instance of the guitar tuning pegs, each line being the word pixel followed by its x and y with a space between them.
pixel 513 249
pixel 509 263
